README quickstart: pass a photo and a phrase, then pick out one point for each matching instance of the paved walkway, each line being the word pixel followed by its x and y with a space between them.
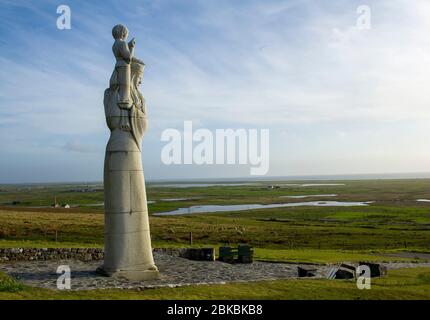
pixel 174 272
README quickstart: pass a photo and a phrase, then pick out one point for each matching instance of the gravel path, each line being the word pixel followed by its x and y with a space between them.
pixel 174 272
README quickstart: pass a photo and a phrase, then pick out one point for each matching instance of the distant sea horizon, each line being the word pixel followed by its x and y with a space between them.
pixel 322 177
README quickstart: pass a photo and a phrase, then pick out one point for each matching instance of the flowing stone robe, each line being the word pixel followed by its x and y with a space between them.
pixel 128 249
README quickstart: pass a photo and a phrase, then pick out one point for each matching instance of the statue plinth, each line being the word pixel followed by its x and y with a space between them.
pixel 134 275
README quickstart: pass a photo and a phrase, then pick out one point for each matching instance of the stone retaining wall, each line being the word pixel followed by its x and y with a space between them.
pixel 26 254
pixel 85 254
pixel 202 254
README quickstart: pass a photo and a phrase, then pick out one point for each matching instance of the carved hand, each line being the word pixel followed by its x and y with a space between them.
pixel 132 43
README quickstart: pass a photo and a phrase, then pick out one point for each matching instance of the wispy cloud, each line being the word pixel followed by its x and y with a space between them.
pixel 77 146
pixel 300 66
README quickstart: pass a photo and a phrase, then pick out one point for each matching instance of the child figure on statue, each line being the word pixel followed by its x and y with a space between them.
pixel 123 53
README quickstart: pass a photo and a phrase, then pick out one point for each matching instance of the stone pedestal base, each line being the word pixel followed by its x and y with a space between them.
pixel 134 275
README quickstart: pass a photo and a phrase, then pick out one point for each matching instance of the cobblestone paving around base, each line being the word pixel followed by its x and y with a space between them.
pixel 174 271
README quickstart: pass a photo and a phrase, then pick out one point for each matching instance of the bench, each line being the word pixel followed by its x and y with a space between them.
pixel 241 254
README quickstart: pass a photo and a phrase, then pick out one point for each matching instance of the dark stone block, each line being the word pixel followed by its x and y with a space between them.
pixel 306 271
pixel 245 254
pixel 200 254
pixel 348 267
pixel 376 270
pixel 245 259
pixel 227 254
pixel 344 274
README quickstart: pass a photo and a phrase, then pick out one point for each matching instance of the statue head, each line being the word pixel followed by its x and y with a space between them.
pixel 137 67
pixel 120 32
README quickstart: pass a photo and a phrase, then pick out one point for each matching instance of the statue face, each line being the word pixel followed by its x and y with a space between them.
pixel 138 79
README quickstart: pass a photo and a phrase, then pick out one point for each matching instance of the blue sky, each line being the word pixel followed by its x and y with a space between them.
pixel 337 100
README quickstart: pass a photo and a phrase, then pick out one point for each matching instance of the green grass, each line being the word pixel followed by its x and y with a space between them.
pixel 282 228
pixel 395 221
pixel 399 284
pixel 315 256
pixel 45 244
pixel 360 190
pixel 321 256
pixel 8 284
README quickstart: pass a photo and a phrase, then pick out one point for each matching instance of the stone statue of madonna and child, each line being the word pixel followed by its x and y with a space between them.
pixel 127 248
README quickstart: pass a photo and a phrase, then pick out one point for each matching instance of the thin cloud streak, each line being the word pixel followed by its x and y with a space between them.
pixel 300 66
